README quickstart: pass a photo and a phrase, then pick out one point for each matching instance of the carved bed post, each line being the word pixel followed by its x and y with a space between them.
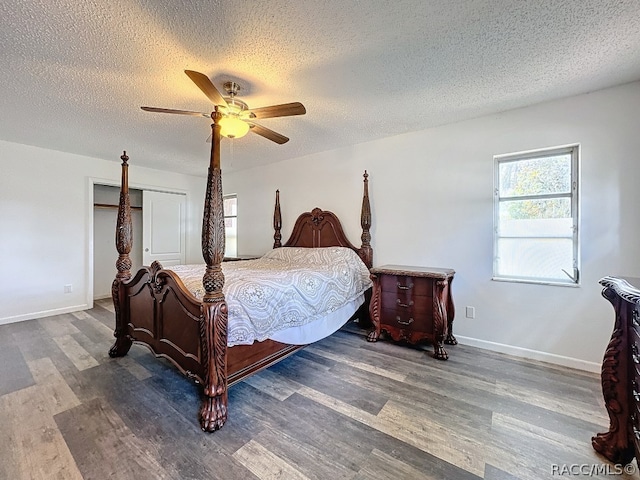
pixel 124 240
pixel 366 252
pixel 277 222
pixel 213 329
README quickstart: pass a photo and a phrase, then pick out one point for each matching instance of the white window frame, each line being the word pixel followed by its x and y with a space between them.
pixel 573 278
pixel 226 243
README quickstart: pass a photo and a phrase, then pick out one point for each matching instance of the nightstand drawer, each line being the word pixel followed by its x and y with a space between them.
pixel 405 319
pixel 406 284
pixel 420 305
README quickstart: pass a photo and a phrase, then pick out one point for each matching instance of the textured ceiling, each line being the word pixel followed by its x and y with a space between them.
pixel 74 73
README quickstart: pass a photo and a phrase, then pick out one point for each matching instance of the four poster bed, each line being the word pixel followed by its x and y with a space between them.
pixel 153 307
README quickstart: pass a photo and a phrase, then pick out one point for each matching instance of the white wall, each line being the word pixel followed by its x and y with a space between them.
pixel 431 195
pixel 46 225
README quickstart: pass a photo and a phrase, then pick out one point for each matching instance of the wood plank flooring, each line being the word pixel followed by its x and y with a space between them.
pixel 339 409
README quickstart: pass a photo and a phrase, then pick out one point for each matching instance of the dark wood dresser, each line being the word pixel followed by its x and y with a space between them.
pixel 413 304
pixel 621 373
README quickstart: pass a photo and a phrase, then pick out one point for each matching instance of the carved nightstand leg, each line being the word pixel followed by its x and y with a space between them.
pixel 439 352
pixel 440 320
pixel 374 311
pixel 373 335
pixel 451 313
pixel 450 339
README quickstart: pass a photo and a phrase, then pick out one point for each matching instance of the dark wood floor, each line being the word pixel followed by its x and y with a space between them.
pixel 339 409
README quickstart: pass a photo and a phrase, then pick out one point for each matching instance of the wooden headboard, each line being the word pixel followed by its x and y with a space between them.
pixel 322 228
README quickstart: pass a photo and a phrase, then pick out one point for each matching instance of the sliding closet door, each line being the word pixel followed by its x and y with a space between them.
pixel 163 228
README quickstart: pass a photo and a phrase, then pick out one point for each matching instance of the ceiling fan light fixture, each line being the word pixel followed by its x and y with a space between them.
pixel 235 107
pixel 232 127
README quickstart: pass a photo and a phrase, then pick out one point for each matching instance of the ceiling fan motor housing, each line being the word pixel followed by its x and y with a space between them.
pixel 232 88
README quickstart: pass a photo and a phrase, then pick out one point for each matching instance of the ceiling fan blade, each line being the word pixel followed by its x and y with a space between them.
pixel 284 110
pixel 267 133
pixel 180 112
pixel 204 84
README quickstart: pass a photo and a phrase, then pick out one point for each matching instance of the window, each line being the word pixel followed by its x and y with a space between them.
pixel 230 207
pixel 536 216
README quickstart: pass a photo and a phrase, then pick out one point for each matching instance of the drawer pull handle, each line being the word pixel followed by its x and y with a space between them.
pixel 405 287
pixel 402 322
pixel 636 433
pixel 634 319
pixel 634 354
pixel 404 305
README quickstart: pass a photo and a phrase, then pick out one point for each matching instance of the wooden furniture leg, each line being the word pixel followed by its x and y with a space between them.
pixel 439 319
pixel 124 240
pixel 451 313
pixel 374 310
pixel 616 444
pixel 213 413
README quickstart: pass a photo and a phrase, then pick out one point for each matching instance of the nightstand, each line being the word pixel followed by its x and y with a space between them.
pixel 413 304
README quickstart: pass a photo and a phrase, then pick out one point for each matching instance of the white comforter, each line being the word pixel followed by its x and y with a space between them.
pixel 287 287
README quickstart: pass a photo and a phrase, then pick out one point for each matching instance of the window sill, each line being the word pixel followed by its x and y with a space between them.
pixel 550 283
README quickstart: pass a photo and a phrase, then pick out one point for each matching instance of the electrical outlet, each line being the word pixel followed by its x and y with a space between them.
pixel 470 312
pixel 68 288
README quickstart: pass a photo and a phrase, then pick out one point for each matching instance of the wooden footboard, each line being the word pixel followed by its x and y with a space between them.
pixel 159 314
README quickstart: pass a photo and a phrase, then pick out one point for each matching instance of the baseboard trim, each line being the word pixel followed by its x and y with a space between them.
pixel 44 313
pixel 532 354
pixel 472 342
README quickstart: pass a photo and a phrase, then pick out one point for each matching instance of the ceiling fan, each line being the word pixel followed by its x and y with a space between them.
pixel 238 118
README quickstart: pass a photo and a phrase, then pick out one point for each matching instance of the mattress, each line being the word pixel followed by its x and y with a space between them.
pixel 291 295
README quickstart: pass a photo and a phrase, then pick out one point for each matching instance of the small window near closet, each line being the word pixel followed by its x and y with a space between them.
pixel 536 216
pixel 231 225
